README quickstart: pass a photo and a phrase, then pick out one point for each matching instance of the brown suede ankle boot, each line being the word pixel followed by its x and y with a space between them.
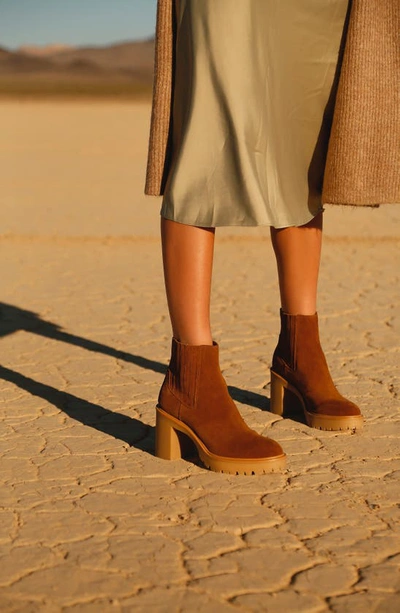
pixel 194 403
pixel 299 368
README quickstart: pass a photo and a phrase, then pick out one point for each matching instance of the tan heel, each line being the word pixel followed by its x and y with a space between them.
pixel 277 394
pixel 285 399
pixel 168 445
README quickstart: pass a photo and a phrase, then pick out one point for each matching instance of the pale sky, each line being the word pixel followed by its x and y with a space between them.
pixel 74 22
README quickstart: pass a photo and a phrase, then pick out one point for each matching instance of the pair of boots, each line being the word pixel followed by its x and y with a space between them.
pixel 194 403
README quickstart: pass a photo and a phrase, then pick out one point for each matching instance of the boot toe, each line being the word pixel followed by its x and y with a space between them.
pixel 338 408
pixel 264 447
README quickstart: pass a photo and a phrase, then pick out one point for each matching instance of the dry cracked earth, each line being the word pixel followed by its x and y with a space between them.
pixel 91 521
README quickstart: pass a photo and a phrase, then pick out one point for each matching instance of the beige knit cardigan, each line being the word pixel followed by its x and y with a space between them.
pixel 359 144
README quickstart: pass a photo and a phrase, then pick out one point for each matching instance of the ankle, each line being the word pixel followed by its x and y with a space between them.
pixel 194 338
pixel 303 310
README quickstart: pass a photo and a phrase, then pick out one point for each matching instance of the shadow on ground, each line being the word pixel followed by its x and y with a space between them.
pixel 13 319
pixel 128 429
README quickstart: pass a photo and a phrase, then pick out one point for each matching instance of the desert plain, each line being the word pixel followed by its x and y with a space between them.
pixel 91 520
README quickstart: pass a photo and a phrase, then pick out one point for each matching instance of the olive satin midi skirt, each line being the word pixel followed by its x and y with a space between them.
pixel 252 80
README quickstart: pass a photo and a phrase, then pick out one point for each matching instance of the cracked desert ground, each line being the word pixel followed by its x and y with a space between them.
pixel 91 521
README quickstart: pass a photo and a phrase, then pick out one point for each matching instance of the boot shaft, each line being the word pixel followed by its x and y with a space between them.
pixel 298 340
pixel 191 369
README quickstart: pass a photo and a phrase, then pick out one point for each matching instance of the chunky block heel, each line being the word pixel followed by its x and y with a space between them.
pixel 168 444
pixel 285 398
pixel 277 394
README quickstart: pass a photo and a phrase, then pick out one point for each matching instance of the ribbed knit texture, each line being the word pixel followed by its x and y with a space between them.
pixel 363 162
pixel 162 97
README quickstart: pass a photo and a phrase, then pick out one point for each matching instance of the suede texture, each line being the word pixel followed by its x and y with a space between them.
pixel 299 359
pixel 195 392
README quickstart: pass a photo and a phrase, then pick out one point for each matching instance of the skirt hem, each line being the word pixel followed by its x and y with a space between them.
pixel 243 224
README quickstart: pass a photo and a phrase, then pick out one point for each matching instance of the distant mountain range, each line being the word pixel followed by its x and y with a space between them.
pixel 122 67
pixel 43 50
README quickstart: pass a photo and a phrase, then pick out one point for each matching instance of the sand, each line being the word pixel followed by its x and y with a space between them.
pixel 90 520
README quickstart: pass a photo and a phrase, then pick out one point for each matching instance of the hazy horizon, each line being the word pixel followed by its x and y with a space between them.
pixel 57 43
pixel 76 23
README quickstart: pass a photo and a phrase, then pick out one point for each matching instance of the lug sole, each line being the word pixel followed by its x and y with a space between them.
pixel 169 446
pixel 279 386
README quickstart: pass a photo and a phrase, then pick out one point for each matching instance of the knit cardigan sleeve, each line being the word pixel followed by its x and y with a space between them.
pixel 162 95
pixel 363 160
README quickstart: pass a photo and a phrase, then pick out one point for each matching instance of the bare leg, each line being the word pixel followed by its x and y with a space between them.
pixel 298 253
pixel 188 258
pixel 194 400
pixel 298 364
